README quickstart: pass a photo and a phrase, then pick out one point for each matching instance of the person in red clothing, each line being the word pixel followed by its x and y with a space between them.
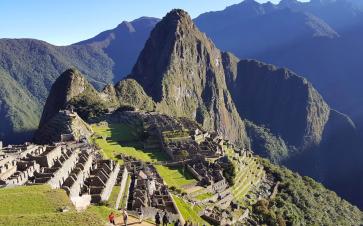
pixel 111 218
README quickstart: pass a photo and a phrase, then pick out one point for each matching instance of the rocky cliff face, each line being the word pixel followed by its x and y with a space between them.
pixel 184 75
pixel 289 122
pixel 284 102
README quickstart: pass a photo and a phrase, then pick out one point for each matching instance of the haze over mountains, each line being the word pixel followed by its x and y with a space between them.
pixel 276 111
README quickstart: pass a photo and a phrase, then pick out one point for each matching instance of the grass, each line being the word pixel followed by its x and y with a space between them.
pixel 124 195
pixel 173 176
pixel 38 205
pixel 113 197
pixel 124 139
pixel 203 196
pixel 113 135
pixel 188 211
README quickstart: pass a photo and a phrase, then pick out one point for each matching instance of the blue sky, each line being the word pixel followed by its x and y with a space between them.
pixel 63 22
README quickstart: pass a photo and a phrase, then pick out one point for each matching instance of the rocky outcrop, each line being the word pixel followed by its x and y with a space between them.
pixel 184 75
pixel 129 92
pixel 63 123
pixel 69 85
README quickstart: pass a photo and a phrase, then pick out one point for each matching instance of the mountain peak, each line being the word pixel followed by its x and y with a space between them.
pixel 184 76
pixel 69 84
pixel 176 18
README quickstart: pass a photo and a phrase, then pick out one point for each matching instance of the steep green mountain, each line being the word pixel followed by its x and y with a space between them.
pixel 19 111
pixel 298 128
pixel 184 75
pixel 278 98
pixel 319 39
pixel 70 87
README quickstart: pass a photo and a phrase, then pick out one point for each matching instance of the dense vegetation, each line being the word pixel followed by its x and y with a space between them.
pixel 302 201
pixel 266 144
pixel 19 111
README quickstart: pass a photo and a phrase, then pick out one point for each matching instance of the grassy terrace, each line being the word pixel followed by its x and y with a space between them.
pixel 175 176
pixel 113 197
pixel 188 211
pixel 247 177
pixel 124 139
pixel 123 201
pixel 39 205
pixel 203 196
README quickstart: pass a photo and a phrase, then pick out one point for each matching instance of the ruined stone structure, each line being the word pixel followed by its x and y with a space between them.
pixel 101 181
pixel 209 175
pixel 148 191
pixel 71 166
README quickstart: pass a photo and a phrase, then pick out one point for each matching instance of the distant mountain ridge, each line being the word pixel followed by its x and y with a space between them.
pixel 123 43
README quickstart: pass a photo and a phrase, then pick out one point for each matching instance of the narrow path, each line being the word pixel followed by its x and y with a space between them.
pixel 132 221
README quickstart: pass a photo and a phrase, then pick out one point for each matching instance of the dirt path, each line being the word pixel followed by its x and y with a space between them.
pixel 132 221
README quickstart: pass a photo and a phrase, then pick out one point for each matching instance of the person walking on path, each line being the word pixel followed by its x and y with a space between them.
pixel 165 219
pixel 177 223
pixel 111 218
pixel 125 217
pixel 157 219
pixel 141 215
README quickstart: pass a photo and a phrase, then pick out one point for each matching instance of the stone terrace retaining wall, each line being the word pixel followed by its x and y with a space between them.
pixel 61 174
pixel 110 183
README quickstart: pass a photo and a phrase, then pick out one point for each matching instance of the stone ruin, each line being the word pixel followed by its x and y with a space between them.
pixel 148 192
pixel 72 166
pixel 209 175
pixel 101 181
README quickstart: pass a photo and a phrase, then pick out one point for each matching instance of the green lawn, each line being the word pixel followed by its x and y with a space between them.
pixel 114 194
pixel 188 212
pixel 38 205
pixel 173 176
pixel 123 139
pixel 203 196
pixel 124 195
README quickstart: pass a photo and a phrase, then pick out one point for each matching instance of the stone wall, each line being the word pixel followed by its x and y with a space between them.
pixel 74 182
pixel 110 183
pixel 194 173
pixel 63 172
pixel 47 158
pixel 123 183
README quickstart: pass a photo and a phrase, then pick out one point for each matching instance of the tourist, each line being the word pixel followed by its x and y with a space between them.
pixel 125 217
pixel 157 219
pixel 141 215
pixel 165 219
pixel 111 218
pixel 186 223
pixel 177 223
